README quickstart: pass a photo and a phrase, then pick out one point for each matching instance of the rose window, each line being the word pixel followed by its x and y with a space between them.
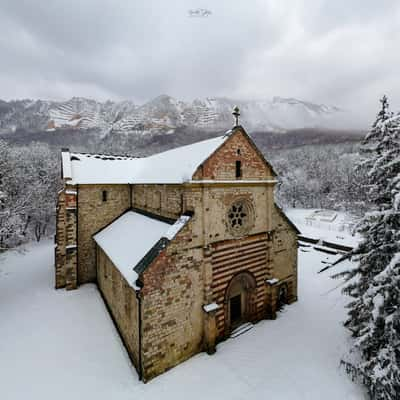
pixel 236 215
pixel 239 217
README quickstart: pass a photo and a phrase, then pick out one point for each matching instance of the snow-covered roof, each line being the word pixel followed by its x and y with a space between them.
pixel 130 238
pixel 172 166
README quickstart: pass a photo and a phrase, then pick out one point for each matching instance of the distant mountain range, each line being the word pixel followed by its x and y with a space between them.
pixel 164 115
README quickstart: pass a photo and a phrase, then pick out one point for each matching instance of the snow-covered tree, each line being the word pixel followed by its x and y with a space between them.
pixel 28 187
pixel 320 177
pixel 10 220
pixel 374 285
pixel 39 174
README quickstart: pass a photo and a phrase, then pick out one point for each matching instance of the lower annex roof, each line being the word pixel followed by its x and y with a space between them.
pixel 128 240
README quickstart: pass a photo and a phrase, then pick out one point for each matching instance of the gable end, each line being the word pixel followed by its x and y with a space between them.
pixel 237 152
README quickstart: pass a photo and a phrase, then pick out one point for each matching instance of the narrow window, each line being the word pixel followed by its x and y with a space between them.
pixel 104 194
pixel 238 169
pixel 182 204
pixel 105 269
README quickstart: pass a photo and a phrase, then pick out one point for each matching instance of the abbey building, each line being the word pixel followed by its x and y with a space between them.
pixel 185 246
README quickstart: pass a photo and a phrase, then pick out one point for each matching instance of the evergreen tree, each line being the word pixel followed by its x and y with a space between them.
pixel 374 285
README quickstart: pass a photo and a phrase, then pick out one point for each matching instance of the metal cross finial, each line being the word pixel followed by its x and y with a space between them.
pixel 236 114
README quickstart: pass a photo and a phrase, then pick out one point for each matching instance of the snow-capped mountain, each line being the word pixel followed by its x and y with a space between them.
pixel 165 114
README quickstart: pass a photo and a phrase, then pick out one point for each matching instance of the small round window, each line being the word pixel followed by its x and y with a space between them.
pixel 240 217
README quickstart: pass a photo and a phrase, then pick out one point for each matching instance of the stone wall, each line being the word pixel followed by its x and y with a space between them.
pixel 285 254
pixel 121 300
pixel 165 200
pixel 173 297
pixel 93 215
pixel 217 201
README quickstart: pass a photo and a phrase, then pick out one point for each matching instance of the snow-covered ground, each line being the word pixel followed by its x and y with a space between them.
pixel 331 226
pixel 63 345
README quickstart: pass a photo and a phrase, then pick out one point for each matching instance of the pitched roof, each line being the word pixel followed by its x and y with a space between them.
pixel 172 166
pixel 130 239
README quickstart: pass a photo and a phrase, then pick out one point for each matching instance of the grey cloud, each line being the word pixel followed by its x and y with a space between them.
pixel 342 52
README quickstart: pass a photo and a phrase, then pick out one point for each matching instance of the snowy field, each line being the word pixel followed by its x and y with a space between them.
pixel 63 345
pixel 331 226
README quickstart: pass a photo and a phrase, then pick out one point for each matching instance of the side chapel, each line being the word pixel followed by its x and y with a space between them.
pixel 185 245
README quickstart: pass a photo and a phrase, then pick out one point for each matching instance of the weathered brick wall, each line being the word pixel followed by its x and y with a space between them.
pixel 231 257
pixel 285 254
pixel 164 200
pixel 71 225
pixel 66 251
pixel 172 306
pixel 222 165
pixel 193 201
pixel 121 301
pixel 94 214
pixel 230 254
pixel 60 260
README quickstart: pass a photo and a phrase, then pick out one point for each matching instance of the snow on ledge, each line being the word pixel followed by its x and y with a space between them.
pixel 177 226
pixel 272 281
pixel 211 307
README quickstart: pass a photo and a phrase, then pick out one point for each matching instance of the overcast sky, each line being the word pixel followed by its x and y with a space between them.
pixel 340 52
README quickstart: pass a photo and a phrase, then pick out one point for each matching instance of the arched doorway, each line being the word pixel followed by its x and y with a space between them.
pixel 239 301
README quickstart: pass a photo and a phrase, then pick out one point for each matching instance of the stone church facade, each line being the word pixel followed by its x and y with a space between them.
pixel 185 246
